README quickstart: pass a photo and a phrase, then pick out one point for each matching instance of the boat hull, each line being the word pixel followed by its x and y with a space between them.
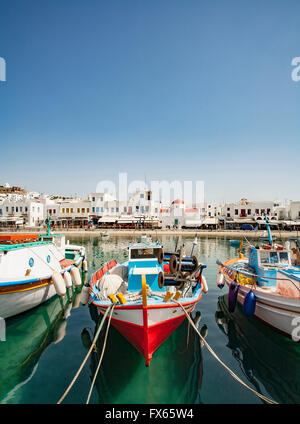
pixel 146 328
pixel 281 313
pixel 19 298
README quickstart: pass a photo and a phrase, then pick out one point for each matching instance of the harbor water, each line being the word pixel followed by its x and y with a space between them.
pixel 44 347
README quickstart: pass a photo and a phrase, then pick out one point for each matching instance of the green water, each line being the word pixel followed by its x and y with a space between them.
pixel 45 346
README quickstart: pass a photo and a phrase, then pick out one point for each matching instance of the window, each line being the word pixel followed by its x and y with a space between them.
pixel 147 208
pixel 112 209
pixel 12 209
pixel 93 210
pixel 143 253
pixel 262 211
pixel 125 209
pixel 156 210
pixel 17 209
pixel 71 210
pixel 249 211
pixel 97 210
pixel 50 211
pixel 142 195
pixel 0 211
pixel 228 209
pixel 137 208
pixel 67 210
pixel 101 199
pixel 101 209
pixel 257 211
pixel 54 210
pixel 88 210
pixel 93 199
pixel 21 209
pixel 228 215
pixel 6 209
pixel 26 209
pixel 284 258
pixel 82 210
pixel 63 210
pixel 142 209
pixel 236 211
pixel 268 211
pixel 78 210
pixel 117 209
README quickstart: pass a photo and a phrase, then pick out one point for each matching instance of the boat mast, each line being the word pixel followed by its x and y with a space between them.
pixel 269 231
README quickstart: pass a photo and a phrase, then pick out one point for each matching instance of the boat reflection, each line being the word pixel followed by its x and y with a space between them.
pixel 175 374
pixel 27 337
pixel 269 360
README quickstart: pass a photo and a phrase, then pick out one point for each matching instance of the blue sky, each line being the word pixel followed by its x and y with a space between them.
pixel 167 89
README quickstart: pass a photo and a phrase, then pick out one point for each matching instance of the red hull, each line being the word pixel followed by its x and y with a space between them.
pixel 147 338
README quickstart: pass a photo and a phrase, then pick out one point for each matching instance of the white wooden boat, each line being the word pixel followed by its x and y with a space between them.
pixel 34 268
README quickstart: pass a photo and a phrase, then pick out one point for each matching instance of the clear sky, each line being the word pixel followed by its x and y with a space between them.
pixel 167 89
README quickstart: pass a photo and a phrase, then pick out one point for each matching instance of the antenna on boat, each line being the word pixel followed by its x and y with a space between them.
pixel 269 231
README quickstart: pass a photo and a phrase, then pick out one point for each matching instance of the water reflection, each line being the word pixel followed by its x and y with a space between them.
pixel 175 374
pixel 27 337
pixel 269 360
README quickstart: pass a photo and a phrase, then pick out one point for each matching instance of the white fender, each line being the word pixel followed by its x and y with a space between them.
pixel 59 283
pixel 68 311
pixel 84 265
pixel 204 284
pixel 76 301
pixel 75 274
pixel 85 295
pixel 60 332
pixel 68 279
pixel 220 280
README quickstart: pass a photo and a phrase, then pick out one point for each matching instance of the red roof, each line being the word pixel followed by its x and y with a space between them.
pixel 177 201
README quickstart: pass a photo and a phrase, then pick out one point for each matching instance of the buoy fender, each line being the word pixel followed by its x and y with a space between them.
pixel 59 283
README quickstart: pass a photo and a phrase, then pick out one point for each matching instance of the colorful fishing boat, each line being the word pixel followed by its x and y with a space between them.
pixel 33 268
pixel 267 284
pixel 152 289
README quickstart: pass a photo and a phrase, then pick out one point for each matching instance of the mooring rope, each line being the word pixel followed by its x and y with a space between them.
pixel 88 354
pixel 264 398
pixel 101 357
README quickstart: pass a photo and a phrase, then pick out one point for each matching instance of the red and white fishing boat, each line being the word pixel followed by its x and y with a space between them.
pixel 147 289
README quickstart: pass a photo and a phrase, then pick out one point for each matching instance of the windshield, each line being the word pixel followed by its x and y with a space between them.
pixel 273 258
pixel 144 253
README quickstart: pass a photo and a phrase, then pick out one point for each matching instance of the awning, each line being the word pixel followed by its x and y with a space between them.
pixel 193 223
pixel 107 219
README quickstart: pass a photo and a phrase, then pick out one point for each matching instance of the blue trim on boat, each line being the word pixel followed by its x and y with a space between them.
pixel 33 280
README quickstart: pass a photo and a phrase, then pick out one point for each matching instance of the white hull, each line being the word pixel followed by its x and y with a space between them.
pixel 16 303
pixel 155 315
pixel 281 313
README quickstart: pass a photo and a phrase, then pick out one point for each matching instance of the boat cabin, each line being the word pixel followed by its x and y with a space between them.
pixel 57 239
pixel 144 258
pixel 266 261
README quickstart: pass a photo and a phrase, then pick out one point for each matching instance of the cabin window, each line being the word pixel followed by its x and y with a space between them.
pixel 284 258
pixel 273 258
pixel 144 253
